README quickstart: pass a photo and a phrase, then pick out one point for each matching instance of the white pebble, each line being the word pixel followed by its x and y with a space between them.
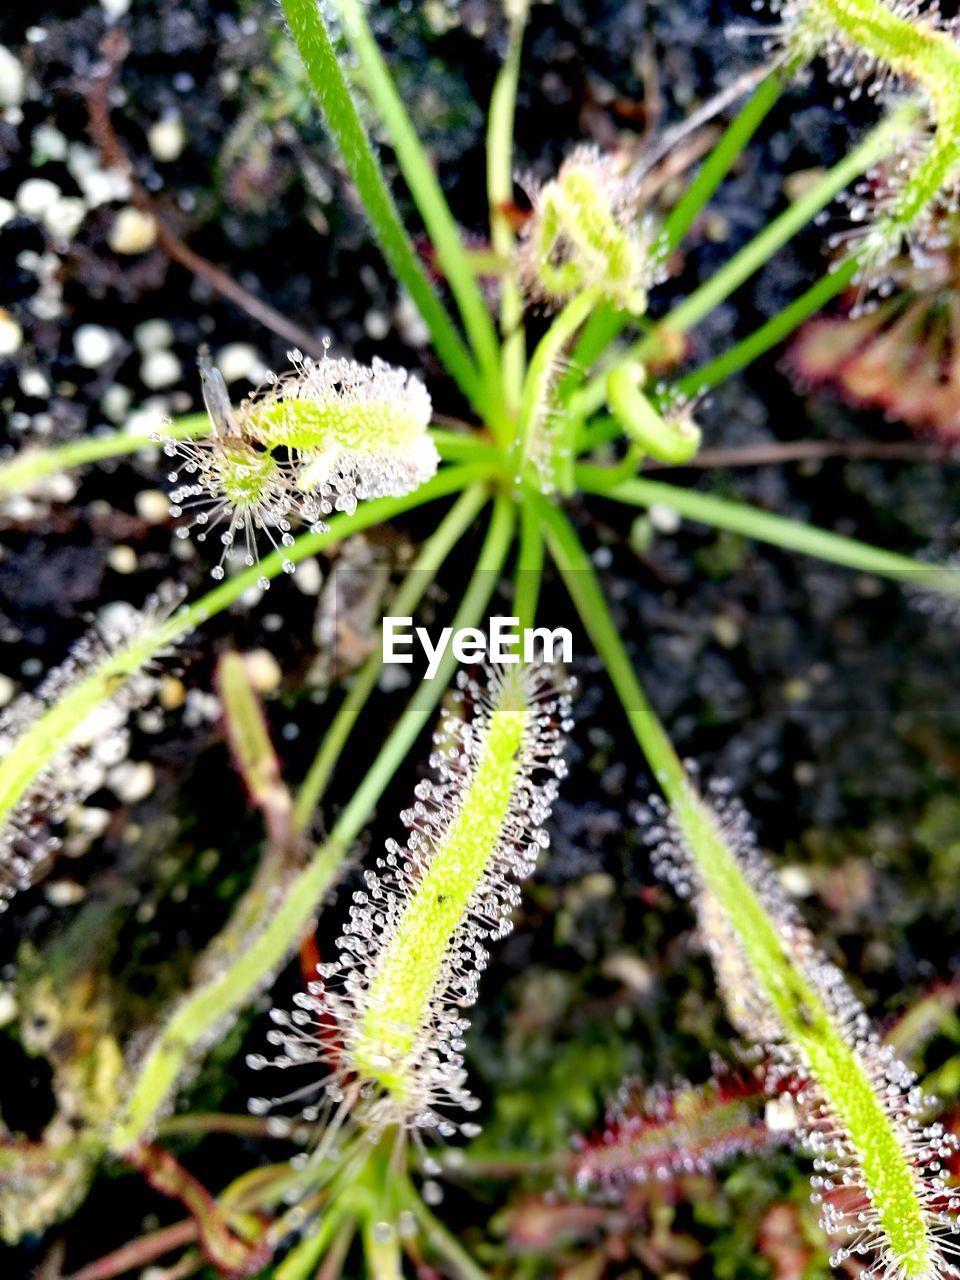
pixel 377 324
pixel 132 232
pixel 8 211
pixel 664 519
pixel 64 893
pixel 115 401
pixel 151 335
pixel 91 821
pixel 160 369
pixel 263 670
pixel 152 506
pixel 34 383
pixel 239 360
pixel 11 335
pixel 8 1006
pixel 308 577
pixel 132 781
pixel 411 324
pixel 12 79
pixel 36 195
pixel 61 489
pixel 796 880
pixel 7 690
pixel 63 218
pixel 93 345
pixel 150 416
pixel 122 559
pixel 48 144
pixel 101 186
pixel 114 9
pixel 167 138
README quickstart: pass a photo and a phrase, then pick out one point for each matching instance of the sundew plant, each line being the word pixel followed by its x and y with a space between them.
pixel 550 338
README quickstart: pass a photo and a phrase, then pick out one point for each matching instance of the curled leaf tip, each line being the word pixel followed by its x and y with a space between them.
pixel 587 231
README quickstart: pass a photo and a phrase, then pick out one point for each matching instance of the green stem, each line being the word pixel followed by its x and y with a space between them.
pixel 421 574
pixel 783 228
pixel 719 162
pixel 754 254
pixel 303 1259
pixel 889 1177
pixel 599 331
pixel 194 1020
pixel 581 583
pixel 773 332
pixel 500 125
pixel 29 465
pixel 534 426
pixel 480 588
pixel 429 198
pixel 38 747
pixel 446 1245
pixel 529 570
pixel 776 530
pixel 330 85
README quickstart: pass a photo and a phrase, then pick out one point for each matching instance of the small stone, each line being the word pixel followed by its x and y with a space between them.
pixel 62 220
pixel 377 324
pixel 132 232
pixel 411 324
pixel 48 144
pixel 797 184
pixel 797 689
pixel 34 383
pixel 167 138
pixel 160 369
pixel 308 577
pixel 101 186
pixel 64 893
pixel 633 972
pixel 132 781
pixel 90 821
pixel 150 416
pixel 796 880
pixel 122 559
pixel 115 9
pixel 35 197
pixel 8 211
pixel 8 1006
pixel 153 335
pixel 263 670
pixel 726 631
pixel 115 401
pixel 664 519
pixel 238 361
pixel 11 335
pixel 172 693
pixel 93 345
pixel 7 690
pixel 152 506
pixel 13 78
